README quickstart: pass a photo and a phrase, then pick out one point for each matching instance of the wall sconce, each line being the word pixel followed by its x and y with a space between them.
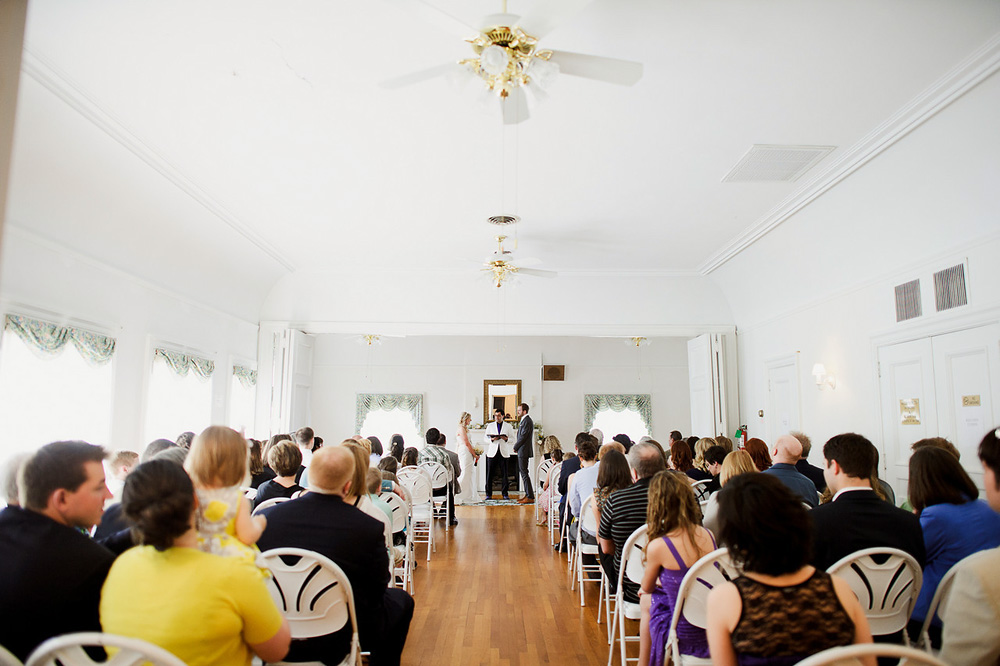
pixel 823 378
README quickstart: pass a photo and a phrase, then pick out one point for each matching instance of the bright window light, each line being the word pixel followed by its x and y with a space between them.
pixel 176 404
pixel 627 421
pixel 47 398
pixel 384 424
pixel 241 406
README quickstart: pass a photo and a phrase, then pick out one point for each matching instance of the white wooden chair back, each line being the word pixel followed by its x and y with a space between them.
pixel 438 473
pixel 542 471
pixel 417 484
pixel 887 591
pixel 939 602
pixel 704 575
pixel 851 655
pixel 399 510
pixel 8 659
pixel 266 504
pixel 68 651
pixel 554 486
pixel 701 492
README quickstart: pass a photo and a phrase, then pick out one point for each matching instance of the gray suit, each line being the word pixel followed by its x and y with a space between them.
pixel 524 448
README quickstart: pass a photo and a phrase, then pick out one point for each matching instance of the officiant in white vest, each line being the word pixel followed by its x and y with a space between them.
pixel 499 446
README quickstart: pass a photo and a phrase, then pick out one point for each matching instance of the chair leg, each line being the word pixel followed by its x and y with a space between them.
pixel 614 626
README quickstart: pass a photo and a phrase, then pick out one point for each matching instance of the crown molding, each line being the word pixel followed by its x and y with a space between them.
pixel 404 329
pixel 969 73
pixel 60 85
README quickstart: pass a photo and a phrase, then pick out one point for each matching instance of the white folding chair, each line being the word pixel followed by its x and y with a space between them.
pixel 315 596
pixel 701 491
pixel 440 478
pixel 541 473
pixel 632 568
pixel 887 591
pixel 68 651
pixel 849 655
pixel 707 573
pixel 421 519
pixel 587 521
pixel 8 659
pixel 401 522
pixel 554 498
pixel 938 604
pixel 266 504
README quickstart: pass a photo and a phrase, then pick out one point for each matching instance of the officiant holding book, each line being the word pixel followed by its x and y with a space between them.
pixel 499 446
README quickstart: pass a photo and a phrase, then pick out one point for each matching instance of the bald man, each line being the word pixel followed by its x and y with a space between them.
pixel 322 522
pixel 786 452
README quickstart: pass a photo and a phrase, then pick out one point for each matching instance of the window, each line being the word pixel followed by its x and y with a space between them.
pixel 383 415
pixel 50 389
pixel 180 395
pixel 242 399
pixel 618 413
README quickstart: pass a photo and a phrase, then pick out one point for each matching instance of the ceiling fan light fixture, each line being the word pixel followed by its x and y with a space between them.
pixel 494 60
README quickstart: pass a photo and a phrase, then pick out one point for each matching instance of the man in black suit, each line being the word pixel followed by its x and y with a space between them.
pixel 857 518
pixel 523 448
pixel 320 521
pixel 814 473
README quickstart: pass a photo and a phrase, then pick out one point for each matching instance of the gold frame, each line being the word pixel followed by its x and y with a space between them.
pixel 487 404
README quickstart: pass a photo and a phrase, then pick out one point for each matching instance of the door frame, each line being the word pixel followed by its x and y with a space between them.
pixel 781 361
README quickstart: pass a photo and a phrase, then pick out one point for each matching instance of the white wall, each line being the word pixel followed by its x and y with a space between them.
pixel 449 372
pixel 822 283
pixel 42 278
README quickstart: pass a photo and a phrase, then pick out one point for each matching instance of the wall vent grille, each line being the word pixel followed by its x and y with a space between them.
pixel 908 301
pixel 949 288
pixel 763 163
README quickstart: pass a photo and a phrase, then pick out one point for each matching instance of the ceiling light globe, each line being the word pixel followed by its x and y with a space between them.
pixel 542 72
pixel 494 60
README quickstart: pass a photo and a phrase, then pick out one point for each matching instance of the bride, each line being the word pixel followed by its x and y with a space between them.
pixel 467 458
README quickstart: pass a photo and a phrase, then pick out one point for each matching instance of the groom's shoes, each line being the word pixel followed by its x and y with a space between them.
pixel 526 500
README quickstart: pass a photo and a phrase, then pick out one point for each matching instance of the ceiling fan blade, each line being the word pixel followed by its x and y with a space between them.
pixel 546 16
pixel 611 70
pixel 419 76
pixel 537 272
pixel 514 107
pixel 431 14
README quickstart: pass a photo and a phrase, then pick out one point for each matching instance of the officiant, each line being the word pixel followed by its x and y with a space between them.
pixel 499 446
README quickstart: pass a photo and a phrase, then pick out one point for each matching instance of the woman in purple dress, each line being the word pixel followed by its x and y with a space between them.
pixel 676 541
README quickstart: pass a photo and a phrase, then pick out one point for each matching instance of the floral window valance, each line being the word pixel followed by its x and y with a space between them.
pixel 182 363
pixel 408 402
pixel 247 377
pixel 50 338
pixel 617 402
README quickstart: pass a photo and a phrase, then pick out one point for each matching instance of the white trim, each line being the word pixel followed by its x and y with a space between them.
pixel 59 84
pixel 969 73
pixel 403 329
pixel 14 307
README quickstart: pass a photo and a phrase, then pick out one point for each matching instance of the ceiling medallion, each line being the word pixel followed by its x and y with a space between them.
pixel 503 220
pixel 507 59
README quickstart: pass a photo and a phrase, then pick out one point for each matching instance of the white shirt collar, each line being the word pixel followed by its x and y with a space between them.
pixel 849 489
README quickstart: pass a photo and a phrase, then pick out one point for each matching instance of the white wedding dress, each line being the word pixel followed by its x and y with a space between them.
pixel 467 479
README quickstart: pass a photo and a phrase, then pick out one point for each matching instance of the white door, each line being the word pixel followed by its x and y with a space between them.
pixel 292 386
pixel 701 386
pixel 783 413
pixel 909 409
pixel 966 378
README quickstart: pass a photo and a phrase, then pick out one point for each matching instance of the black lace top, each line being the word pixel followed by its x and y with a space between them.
pixel 782 625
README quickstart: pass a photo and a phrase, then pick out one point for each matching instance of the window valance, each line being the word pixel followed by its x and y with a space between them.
pixel 51 338
pixel 183 363
pixel 413 403
pixel 247 377
pixel 617 402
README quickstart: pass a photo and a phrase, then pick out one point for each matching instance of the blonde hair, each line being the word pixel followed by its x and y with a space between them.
pixel 359 480
pixel 700 447
pixel 724 442
pixel 672 506
pixel 734 464
pixel 365 443
pixel 610 446
pixel 462 418
pixel 218 458
pixel 551 443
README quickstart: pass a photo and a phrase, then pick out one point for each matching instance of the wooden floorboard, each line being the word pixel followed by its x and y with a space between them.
pixel 496 593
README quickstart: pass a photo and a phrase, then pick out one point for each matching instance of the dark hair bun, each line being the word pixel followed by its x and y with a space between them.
pixel 158 501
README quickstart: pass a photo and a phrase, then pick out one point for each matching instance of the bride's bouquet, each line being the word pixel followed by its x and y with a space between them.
pixel 479 452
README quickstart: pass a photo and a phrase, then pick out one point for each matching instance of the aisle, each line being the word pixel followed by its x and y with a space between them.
pixel 496 593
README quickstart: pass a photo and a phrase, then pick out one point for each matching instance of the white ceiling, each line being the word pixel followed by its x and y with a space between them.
pixel 189 141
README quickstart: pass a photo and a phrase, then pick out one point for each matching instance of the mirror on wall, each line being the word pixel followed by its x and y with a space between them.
pixel 502 394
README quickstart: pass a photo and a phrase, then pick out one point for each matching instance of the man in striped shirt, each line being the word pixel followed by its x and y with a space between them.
pixel 625 512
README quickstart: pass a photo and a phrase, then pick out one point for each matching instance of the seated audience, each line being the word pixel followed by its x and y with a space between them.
pixel 285 459
pixel 787 451
pixel 322 521
pixel 725 443
pixel 781 609
pixel 570 466
pixel 205 609
pixel 155 447
pixel 581 485
pixel 388 466
pixel 410 455
pixel 597 434
pixel 758 453
pixel 613 445
pixel 8 477
pixel 53 571
pixel 624 440
pixel 858 518
pixel 681 458
pixel 714 457
pixel 259 472
pixel 613 475
pixel 435 451
pixel 357 495
pixel 956 524
pixel 972 615
pixel 377 451
pixel 624 512
pixel 676 541
pixel 699 468
pixel 675 436
pixel 814 473
pixel 549 444
pixel 184 439
pixel 735 463
pixel 117 469
pixel 305 439
pixel 396 447
pixel 545 498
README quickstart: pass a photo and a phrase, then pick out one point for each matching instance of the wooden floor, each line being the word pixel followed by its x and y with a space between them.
pixel 495 592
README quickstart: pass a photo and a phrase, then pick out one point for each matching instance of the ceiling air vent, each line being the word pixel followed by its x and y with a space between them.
pixel 949 288
pixel 908 301
pixel 776 163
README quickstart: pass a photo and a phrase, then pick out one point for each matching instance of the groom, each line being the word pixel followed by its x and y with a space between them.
pixel 498 447
pixel 523 447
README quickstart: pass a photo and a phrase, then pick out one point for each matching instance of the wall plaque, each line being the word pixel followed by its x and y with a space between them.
pixel 971 401
pixel 909 411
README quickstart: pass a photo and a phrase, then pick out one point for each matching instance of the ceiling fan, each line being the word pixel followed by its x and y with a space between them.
pixel 506 57
pixel 501 269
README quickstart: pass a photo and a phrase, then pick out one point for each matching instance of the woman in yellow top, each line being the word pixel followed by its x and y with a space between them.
pixel 204 608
